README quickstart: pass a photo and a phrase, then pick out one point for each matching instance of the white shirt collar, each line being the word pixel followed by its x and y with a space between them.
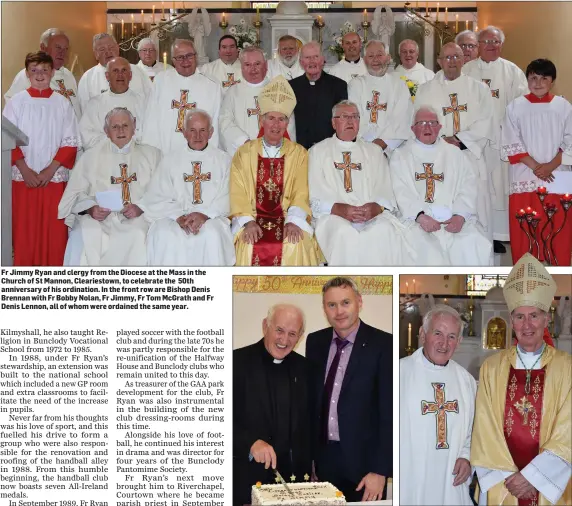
pixel 122 151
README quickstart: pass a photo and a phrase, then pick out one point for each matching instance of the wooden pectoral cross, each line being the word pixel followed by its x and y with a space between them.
pixel 430 178
pixel 375 106
pixel 124 181
pixel 494 93
pixel 524 407
pixel 347 166
pixel 62 90
pixel 256 110
pixel 183 106
pixel 230 82
pixel 456 110
pixel 441 407
pixel 197 178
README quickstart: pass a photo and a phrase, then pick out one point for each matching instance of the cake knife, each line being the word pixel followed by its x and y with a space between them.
pixel 279 476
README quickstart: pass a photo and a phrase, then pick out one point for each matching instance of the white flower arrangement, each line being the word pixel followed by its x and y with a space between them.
pixel 245 35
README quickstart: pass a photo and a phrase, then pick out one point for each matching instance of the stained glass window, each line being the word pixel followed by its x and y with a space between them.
pixel 480 284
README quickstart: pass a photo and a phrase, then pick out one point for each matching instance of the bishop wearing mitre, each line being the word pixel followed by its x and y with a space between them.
pixel 187 202
pixel 100 203
pixel 269 202
pixel 522 436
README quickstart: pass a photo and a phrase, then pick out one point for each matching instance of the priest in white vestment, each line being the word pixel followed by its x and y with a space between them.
pixel 506 82
pixel 175 92
pixel 55 43
pixel 465 108
pixel 352 199
pixel 351 65
pixel 286 63
pixel 188 202
pixel 522 436
pixel 239 113
pixel 94 82
pixel 383 99
pixel 148 62
pixel 435 190
pixel 436 411
pixel 468 41
pixel 119 95
pixel 410 68
pixel 226 70
pixel 100 203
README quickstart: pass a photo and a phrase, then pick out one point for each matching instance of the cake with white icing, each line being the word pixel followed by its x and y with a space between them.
pixel 322 493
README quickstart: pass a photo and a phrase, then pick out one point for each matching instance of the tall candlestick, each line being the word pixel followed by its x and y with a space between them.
pixel 165 61
pixel 365 14
pixel 122 29
pixel 414 292
pixel 142 18
pixel 466 24
pixel 407 287
pixel 153 16
pixel 111 29
pixel 223 17
pixel 456 23
pixel 446 15
pixel 409 335
pixel 132 24
pixel 437 13
pixel 258 14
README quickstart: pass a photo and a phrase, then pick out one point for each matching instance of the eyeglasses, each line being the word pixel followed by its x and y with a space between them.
pixel 490 42
pixel 347 117
pixel 468 46
pixel 453 57
pixel 188 56
pixel 432 123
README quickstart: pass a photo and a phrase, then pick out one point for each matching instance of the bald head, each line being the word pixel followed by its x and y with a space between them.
pixel 451 60
pixel 118 74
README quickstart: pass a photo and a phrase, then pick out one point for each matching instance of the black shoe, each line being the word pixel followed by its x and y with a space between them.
pixel 499 247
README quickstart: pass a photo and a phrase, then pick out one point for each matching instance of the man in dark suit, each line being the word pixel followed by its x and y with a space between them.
pixel 352 418
pixel 316 93
pixel 270 405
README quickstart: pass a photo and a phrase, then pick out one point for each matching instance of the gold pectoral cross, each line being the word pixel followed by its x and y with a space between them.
pixel 524 407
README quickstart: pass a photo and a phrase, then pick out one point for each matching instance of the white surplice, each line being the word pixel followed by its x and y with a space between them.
pixel 116 240
pixel 63 83
pixel 154 69
pixel 173 94
pixel 506 82
pixel 226 75
pixel 94 83
pixel 348 70
pixel 437 180
pixel 171 195
pixel 277 68
pixel 385 108
pixel 93 119
pixel 239 115
pixel 426 459
pixel 547 472
pixel 376 242
pixel 419 74
pixel 539 129
pixel 470 102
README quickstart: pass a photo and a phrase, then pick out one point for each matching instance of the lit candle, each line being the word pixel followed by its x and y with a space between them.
pixel 142 18
pixel 165 61
pixel 122 29
pixel 111 29
pixel 437 13
pixel 456 23
pixel 476 28
pixel 153 16
pixel 132 24
pixel 365 15
pixel 258 14
pixel 223 17
pixel 466 24
pixel 446 15
pixel 173 7
pixel 414 287
pixel 445 301
pixel 407 287
pixel 409 335
pixel 162 10
pixel 426 8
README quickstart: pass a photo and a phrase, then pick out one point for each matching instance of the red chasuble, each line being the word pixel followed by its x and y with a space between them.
pixel 269 214
pixel 522 419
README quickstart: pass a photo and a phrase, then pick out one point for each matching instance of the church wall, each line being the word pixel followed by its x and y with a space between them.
pixel 80 20
pixel 249 309
pixel 534 30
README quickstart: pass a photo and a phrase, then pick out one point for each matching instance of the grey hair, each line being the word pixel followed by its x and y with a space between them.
pixel 374 41
pixel 272 311
pixel 312 43
pixel 340 282
pixel 492 28
pixel 440 310
pixel 251 49
pixel 144 42
pixel 191 113
pixel 342 103
pixel 428 108
pixel 181 41
pixel 407 40
pixel 100 36
pixel 48 34
pixel 463 33
pixel 117 110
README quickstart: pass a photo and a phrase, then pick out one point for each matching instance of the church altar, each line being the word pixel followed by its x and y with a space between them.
pixel 292 18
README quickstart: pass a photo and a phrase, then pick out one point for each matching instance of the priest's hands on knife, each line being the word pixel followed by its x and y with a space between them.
pixel 263 453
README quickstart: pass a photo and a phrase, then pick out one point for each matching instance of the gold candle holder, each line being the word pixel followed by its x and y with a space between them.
pixel 365 25
pixel 552 321
pixel 471 318
pixel 257 24
pixel 410 350
pixel 319 24
pixel 223 22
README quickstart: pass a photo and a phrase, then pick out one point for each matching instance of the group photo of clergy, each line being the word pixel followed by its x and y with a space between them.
pixel 246 161
pixel 313 384
pixel 506 439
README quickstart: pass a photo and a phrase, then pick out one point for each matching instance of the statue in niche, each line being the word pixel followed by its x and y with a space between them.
pixel 383 25
pixel 496 334
pixel 199 28
pixel 565 314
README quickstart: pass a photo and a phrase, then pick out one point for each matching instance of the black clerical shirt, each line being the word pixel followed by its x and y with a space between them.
pixel 313 111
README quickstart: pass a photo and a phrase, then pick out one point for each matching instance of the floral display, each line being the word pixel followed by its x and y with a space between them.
pixel 411 86
pixel 244 34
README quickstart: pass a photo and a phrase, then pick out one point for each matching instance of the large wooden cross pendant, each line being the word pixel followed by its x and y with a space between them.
pixel 347 166
pixel 375 106
pixel 430 178
pixel 197 178
pixel 456 110
pixel 124 181
pixel 441 407
pixel 183 107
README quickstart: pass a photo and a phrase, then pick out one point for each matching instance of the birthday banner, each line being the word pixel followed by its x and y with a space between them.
pixel 368 285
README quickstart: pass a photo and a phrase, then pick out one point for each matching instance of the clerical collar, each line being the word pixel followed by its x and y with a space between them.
pixel 35 93
pixel 193 150
pixel 150 66
pixel 533 99
pixel 530 353
pixel 256 85
pixel 430 364
pixel 345 144
pixel 426 146
pixel 352 62
pixel 313 83
pixel 121 151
